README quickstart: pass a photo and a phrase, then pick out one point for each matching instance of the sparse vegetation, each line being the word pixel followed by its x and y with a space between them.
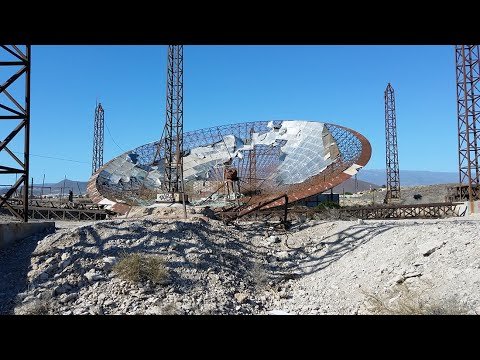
pixel 405 301
pixel 327 205
pixel 348 193
pixel 137 267
pixel 170 309
pixel 35 307
pixel 260 277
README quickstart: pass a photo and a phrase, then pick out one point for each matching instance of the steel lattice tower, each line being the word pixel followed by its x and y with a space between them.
pixel 393 176
pixel 17 107
pixel 468 111
pixel 173 132
pixel 98 136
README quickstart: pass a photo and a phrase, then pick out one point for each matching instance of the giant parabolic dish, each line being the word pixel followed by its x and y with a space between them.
pixel 299 158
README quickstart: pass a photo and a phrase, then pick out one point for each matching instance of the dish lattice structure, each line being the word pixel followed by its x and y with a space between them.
pixel 297 158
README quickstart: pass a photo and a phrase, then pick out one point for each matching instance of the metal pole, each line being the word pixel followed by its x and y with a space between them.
pixel 285 214
pixel 43 184
pixel 63 188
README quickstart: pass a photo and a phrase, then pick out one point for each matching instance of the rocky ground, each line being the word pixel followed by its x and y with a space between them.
pixel 383 266
pixel 212 269
pixel 317 267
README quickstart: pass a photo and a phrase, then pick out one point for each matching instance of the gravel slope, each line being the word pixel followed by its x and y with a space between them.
pixel 318 267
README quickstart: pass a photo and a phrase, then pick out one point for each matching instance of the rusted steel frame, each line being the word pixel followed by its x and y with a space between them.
pixel 263 204
pixel 404 211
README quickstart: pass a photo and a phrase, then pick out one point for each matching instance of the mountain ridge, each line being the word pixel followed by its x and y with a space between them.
pixel 409 177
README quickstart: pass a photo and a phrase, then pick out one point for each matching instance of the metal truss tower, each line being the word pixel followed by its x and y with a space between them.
pixel 15 105
pixel 393 176
pixel 173 131
pixel 468 111
pixel 98 136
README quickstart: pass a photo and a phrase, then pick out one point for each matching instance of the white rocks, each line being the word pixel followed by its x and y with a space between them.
pixel 65 298
pixel 273 239
pixel 360 222
pixel 109 262
pixel 153 310
pixel 93 275
pixel 282 255
pixel 278 312
pixel 95 310
pixel 80 311
pixel 101 297
pixel 241 297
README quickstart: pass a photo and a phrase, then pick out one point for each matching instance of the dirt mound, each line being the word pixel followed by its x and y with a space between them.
pixel 317 267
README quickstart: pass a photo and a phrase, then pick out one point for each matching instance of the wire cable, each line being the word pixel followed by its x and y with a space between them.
pixel 111 137
pixel 51 157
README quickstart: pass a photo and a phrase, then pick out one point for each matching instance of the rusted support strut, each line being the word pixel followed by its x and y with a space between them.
pixel 244 212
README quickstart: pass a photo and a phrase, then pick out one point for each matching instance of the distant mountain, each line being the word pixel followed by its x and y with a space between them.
pixel 349 186
pixel 366 180
pixel 78 187
pixel 409 177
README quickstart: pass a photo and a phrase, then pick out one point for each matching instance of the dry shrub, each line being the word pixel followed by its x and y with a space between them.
pixel 34 307
pixel 259 276
pixel 170 309
pixel 138 267
pixel 405 301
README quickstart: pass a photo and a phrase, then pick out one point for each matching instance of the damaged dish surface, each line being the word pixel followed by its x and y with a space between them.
pixel 300 158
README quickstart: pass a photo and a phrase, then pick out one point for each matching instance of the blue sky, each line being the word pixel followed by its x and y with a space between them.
pixel 227 84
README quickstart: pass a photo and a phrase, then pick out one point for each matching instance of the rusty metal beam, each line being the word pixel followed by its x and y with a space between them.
pixel 431 210
pixel 468 119
pixel 23 104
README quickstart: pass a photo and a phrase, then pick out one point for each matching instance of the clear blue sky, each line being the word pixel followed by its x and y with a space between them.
pixel 227 84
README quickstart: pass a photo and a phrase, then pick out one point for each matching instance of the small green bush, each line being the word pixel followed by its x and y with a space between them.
pixel 328 205
pixel 138 267
pixel 348 193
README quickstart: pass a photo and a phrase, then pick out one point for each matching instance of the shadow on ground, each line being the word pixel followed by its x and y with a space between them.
pixel 14 267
